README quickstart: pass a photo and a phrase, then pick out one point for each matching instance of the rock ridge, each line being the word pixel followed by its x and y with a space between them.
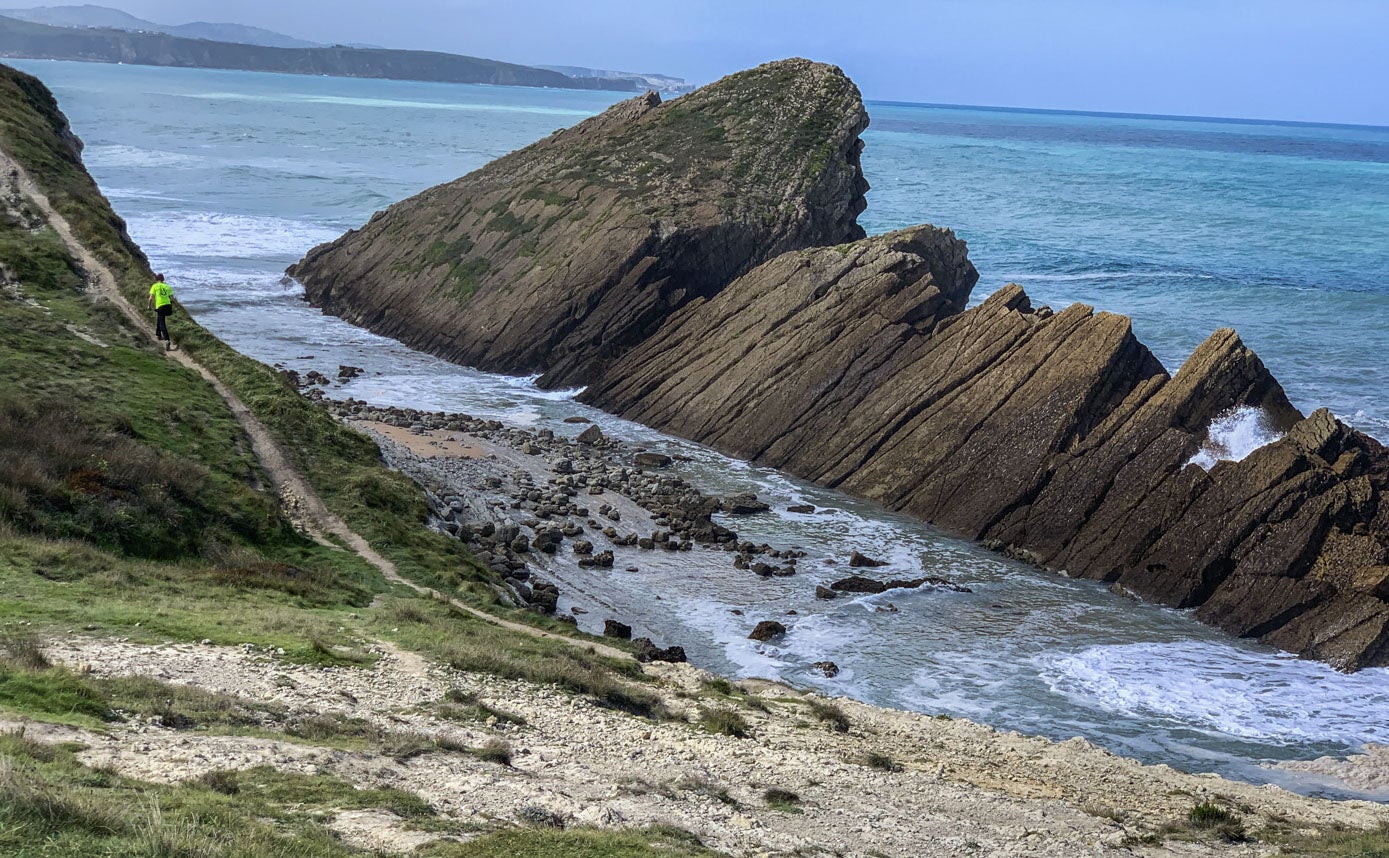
pixel 698 265
pixel 561 256
pixel 1056 436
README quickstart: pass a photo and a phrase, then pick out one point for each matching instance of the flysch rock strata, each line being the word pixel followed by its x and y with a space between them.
pixel 1056 436
pixel 561 255
pixel 699 266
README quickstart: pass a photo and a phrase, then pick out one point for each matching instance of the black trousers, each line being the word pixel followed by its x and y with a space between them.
pixel 161 326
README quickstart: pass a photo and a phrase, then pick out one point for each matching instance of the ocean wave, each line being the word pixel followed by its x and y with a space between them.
pixel 1106 275
pixel 209 235
pixel 1234 435
pixel 1217 689
pixel 114 155
pixel 358 101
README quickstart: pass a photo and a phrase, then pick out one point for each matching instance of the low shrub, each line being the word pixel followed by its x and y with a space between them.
pixel 724 722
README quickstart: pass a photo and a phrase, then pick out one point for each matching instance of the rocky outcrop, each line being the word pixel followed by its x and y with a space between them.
pixel 1055 436
pixel 565 254
pixel 698 266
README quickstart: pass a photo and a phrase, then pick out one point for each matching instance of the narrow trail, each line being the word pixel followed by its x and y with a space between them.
pixel 294 491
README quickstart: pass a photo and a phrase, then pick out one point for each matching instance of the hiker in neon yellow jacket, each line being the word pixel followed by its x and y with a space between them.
pixel 162 302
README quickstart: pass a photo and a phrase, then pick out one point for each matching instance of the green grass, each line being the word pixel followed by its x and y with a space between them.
pixel 1216 821
pixel 132 388
pixel 1335 843
pixel 51 806
pixel 549 197
pixel 879 762
pixel 467 643
pixel 465 706
pixel 580 843
pixel 32 688
pixel 830 715
pixel 59 585
pixel 782 799
pixel 724 722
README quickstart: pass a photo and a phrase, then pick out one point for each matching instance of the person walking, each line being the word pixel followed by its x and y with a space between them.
pixel 162 302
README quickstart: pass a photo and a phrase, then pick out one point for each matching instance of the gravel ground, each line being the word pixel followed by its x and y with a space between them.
pixel 962 788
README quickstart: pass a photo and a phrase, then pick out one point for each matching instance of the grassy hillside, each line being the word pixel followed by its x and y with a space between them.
pixel 132 505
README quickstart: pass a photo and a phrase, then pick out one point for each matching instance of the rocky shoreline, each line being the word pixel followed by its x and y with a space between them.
pixel 865 781
pixel 528 502
pixel 697 267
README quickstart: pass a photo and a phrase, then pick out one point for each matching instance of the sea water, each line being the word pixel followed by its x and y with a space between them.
pixel 1186 225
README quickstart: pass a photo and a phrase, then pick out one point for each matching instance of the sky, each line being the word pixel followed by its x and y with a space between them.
pixel 1308 60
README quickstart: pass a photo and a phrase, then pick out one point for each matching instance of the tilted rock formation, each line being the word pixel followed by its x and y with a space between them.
pixel 560 256
pixel 1057 436
pixel 698 265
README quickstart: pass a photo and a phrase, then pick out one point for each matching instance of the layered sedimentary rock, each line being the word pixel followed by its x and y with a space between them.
pixel 1056 436
pixel 560 256
pixel 699 266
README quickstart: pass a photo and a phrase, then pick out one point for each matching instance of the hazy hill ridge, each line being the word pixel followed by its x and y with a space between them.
pixel 41 41
pixel 103 17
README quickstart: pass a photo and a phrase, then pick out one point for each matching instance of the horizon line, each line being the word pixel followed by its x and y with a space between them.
pixel 1117 114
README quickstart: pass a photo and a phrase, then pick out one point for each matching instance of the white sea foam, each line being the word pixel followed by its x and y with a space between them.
pixel 1234 435
pixel 355 101
pixel 135 156
pixel 208 235
pixel 1105 275
pixel 1221 689
pixel 138 194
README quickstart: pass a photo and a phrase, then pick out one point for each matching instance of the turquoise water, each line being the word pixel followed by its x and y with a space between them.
pixel 1279 230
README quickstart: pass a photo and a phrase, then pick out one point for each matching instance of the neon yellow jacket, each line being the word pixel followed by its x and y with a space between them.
pixel 162 294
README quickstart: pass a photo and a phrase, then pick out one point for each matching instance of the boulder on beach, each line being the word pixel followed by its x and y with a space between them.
pixel 647 459
pixel 648 652
pixel 767 630
pixel 615 629
pixel 861 561
pixel 745 503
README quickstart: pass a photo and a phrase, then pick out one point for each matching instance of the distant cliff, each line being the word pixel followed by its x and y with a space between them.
pixel 39 41
pixel 564 254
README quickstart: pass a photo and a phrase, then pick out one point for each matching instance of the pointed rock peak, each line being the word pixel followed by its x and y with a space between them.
pixel 1010 298
pixel 946 258
pixel 620 114
pixel 1320 434
pixel 1223 374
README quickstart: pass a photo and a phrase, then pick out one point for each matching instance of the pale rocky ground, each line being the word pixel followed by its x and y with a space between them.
pixel 964 789
pixel 1368 771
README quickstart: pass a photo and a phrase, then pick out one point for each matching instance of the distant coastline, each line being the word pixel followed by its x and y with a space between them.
pixel 22 39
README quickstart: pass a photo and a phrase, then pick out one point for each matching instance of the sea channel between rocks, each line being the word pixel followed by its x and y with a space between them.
pixel 533 504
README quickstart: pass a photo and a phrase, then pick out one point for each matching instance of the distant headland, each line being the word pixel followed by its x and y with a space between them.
pixel 96 34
